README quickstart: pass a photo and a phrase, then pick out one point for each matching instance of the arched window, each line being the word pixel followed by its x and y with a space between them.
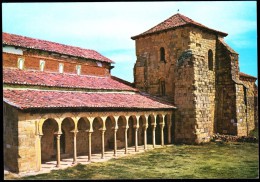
pixel 20 63
pixel 61 66
pixel 210 59
pixel 162 54
pixel 42 64
pixel 78 69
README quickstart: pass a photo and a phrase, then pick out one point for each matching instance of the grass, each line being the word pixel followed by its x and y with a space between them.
pixel 213 160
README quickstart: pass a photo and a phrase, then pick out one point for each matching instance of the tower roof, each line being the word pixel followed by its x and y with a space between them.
pixel 173 22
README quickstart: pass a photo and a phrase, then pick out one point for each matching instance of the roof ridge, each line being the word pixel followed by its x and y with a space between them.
pixel 182 17
pixel 42 40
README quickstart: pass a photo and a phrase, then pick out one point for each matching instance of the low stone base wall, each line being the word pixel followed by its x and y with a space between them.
pixel 231 138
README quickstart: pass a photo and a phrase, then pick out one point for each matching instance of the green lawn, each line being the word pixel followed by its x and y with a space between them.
pixel 213 160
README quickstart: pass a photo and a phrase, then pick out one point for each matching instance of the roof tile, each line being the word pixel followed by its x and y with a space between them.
pixel 27 42
pixel 33 77
pixel 241 74
pixel 25 99
pixel 174 21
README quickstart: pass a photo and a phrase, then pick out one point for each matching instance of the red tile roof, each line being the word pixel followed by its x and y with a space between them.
pixel 241 74
pixel 39 78
pixel 27 42
pixel 175 21
pixel 33 99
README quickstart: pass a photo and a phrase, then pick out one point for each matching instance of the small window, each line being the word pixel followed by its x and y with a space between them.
pixel 78 68
pixel 20 63
pixel 42 64
pixel 61 66
pixel 245 96
pixel 210 59
pixel 99 64
pixel 162 54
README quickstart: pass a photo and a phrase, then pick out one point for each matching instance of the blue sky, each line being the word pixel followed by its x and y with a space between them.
pixel 107 26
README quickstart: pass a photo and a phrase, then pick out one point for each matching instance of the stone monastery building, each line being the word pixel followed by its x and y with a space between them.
pixel 61 101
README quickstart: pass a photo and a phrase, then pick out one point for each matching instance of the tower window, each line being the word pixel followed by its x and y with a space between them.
pixel 42 64
pixel 78 68
pixel 162 54
pixel 210 59
pixel 61 67
pixel 20 63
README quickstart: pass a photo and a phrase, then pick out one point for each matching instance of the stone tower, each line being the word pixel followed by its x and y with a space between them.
pixel 186 62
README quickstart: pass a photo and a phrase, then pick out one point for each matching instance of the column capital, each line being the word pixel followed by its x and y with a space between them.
pixel 114 128
pixel 102 130
pixel 75 118
pixel 39 135
pixel 162 124
pixel 57 133
pixel 74 131
pixel 89 131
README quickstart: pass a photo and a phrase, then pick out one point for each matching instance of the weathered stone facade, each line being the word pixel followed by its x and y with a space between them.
pixel 200 75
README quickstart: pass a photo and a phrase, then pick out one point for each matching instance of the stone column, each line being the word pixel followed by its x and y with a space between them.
pixel 169 133
pixel 145 138
pixel 154 126
pixel 39 156
pixel 75 148
pixel 58 150
pixel 103 143
pixel 89 146
pixel 169 125
pixel 162 135
pixel 115 144
pixel 136 139
pixel 126 143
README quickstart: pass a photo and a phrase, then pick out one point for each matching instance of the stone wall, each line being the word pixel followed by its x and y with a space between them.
pixel 10 145
pixel 249 103
pixel 201 43
pixel 32 61
pixel 27 159
pixel 226 73
pixel 241 110
pixel 256 106
pixel 149 70
pixel 185 116
pixel 235 95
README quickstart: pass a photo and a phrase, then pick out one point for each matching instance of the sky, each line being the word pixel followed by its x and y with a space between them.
pixel 107 27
